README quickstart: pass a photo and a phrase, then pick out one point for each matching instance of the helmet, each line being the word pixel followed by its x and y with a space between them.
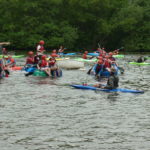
pixel 30 53
pixel 43 57
pixel 41 42
pixel 85 52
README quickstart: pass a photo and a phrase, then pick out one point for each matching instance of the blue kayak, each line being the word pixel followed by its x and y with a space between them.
pixel 83 87
pixel 66 54
pixel 93 54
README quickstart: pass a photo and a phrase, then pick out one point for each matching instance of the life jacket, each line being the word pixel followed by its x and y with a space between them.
pixel 41 49
pixel 43 63
pixel 30 60
pixel 107 64
pixel 84 56
pixel 36 59
pixel 52 63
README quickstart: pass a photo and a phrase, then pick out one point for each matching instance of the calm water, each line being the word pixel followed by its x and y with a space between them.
pixel 46 114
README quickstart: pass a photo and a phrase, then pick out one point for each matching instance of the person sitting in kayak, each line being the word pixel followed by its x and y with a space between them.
pixel 30 59
pixel 107 62
pixel 110 54
pixel 37 58
pixel 85 55
pixel 141 59
pixel 116 52
pixel 61 49
pixel 10 62
pixel 52 65
pixel 112 82
pixel 43 65
pixel 99 68
pixel 54 54
pixel 40 48
pixel 4 51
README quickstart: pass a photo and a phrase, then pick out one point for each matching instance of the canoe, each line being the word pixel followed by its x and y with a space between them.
pixel 66 54
pixel 85 60
pixel 136 63
pixel 13 56
pixel 40 73
pixel 83 87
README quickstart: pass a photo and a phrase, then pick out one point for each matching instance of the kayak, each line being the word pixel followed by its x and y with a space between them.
pixel 97 54
pixel 60 58
pixel 136 63
pixel 40 73
pixel 13 56
pixel 16 68
pixel 93 54
pixel 86 87
pixel 118 56
pixel 85 60
pixel 66 54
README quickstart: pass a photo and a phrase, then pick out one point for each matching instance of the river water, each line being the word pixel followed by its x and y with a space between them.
pixel 47 114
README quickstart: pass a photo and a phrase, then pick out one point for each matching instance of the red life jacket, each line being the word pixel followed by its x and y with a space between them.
pixel 52 63
pixel 30 60
pixel 107 64
pixel 43 63
pixel 84 56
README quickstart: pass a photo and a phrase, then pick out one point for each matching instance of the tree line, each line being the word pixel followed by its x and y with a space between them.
pixel 76 24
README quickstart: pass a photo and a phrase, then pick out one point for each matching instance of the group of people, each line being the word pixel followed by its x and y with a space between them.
pixel 105 62
pixel 41 61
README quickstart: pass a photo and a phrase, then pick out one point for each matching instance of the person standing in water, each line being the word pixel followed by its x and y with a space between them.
pixel 40 48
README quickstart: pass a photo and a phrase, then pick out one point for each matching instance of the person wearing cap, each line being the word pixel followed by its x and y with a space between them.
pixel 40 48
pixel 112 82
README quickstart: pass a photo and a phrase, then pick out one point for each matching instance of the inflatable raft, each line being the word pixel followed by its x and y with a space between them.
pixel 83 87
pixel 40 73
pixel 70 64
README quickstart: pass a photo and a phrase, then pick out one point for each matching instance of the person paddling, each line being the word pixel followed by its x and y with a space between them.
pixel 112 82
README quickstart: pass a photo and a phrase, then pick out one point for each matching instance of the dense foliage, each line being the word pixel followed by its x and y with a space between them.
pixel 78 24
